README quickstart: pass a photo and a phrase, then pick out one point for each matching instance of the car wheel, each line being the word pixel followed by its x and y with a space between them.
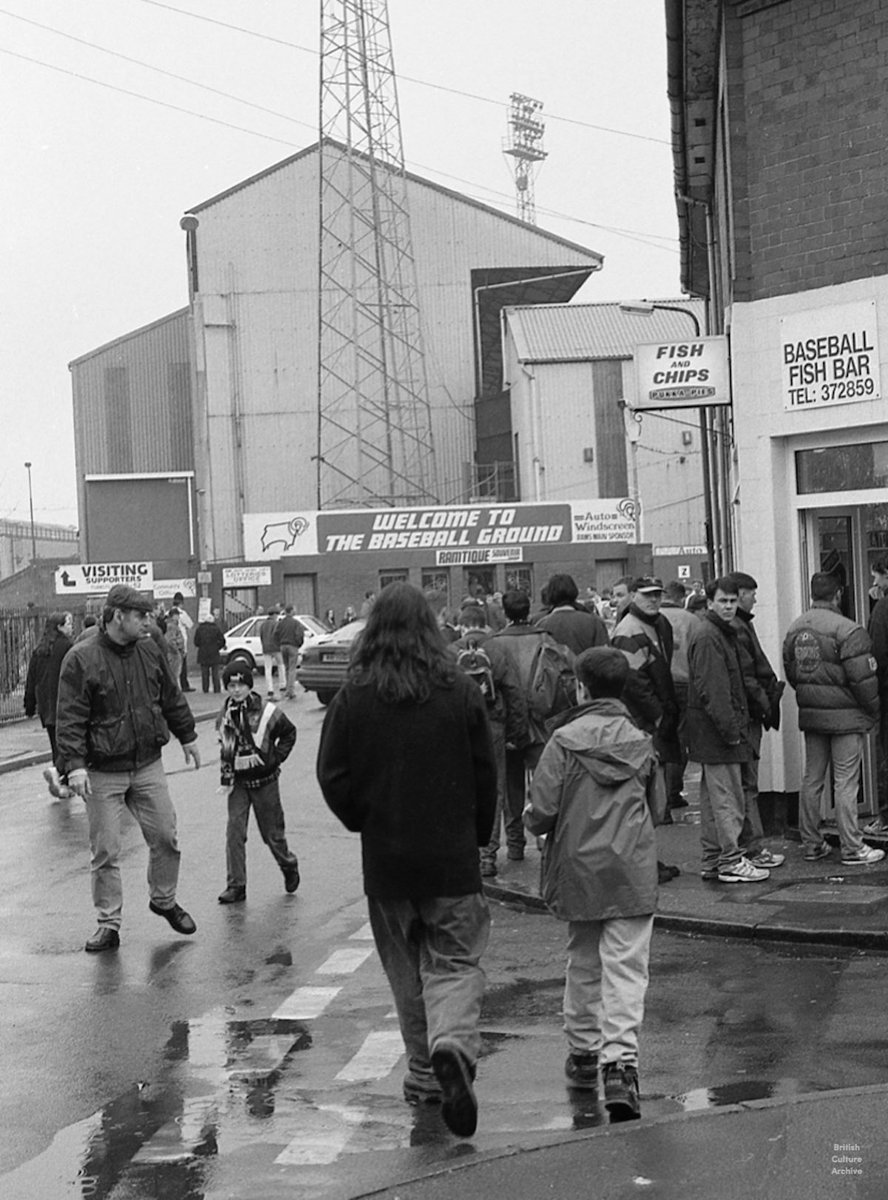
pixel 241 656
pixel 325 695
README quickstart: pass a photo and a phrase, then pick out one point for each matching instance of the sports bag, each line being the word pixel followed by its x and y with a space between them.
pixel 473 661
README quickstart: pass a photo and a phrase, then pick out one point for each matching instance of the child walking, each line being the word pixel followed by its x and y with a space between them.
pixel 255 738
pixel 599 873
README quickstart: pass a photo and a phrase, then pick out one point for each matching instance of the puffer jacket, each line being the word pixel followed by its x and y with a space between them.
pixel 118 705
pixel 717 721
pixel 647 643
pixel 829 662
pixel 589 795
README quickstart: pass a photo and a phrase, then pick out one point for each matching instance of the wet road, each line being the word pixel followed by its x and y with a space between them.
pixel 261 1057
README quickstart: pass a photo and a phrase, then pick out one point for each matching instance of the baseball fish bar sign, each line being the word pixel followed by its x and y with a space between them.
pixel 830 356
pixel 504 532
pixel 691 374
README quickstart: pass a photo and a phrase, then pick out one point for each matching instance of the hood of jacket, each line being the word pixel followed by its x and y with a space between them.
pixel 607 761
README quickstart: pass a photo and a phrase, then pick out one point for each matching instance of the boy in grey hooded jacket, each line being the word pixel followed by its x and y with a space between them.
pixel 591 797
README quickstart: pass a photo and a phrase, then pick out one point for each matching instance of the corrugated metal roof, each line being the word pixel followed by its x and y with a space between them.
pixel 127 337
pixel 593 255
pixel 578 332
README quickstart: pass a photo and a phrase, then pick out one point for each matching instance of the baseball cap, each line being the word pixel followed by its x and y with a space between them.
pixel 647 583
pixel 122 596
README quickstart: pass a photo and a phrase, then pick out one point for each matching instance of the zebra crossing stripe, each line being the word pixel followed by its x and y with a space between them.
pixel 325 1133
pixel 305 1003
pixel 376 1057
pixel 344 961
pixel 364 934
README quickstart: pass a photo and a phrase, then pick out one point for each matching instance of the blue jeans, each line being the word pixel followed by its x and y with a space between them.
pixel 145 793
pixel 430 950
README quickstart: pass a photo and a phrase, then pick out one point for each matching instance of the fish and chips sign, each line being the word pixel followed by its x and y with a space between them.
pixel 691 374
pixel 459 535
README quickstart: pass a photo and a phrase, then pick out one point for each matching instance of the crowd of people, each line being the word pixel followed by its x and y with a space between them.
pixel 450 737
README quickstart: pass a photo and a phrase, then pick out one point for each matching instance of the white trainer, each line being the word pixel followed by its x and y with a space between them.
pixel 864 857
pixel 742 871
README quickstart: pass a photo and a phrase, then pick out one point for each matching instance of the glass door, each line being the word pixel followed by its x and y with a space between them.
pixel 845 542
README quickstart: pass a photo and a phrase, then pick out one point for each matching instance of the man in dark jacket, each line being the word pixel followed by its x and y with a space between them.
pixel 118 703
pixel 645 637
pixel 507 710
pixel 520 641
pixel 829 662
pixel 717 731
pixel 289 636
pixel 209 641
pixel 763 692
pixel 568 623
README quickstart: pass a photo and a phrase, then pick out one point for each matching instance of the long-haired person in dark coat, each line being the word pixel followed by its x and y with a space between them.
pixel 406 759
pixel 42 683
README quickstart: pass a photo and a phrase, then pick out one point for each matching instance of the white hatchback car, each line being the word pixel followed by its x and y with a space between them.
pixel 243 642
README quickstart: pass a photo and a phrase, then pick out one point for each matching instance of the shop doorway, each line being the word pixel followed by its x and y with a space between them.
pixel 846 541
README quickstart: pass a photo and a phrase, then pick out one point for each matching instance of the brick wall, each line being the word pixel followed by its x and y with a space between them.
pixel 807 103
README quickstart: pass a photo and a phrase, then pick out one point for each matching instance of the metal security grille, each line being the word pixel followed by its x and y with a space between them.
pixel 374 420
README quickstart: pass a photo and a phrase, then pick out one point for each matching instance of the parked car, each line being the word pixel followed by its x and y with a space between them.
pixel 325 662
pixel 243 641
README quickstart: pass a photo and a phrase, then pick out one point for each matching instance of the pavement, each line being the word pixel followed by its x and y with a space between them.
pixel 795 1146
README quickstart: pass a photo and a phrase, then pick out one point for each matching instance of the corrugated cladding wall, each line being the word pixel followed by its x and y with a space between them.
pixel 132 402
pixel 257 252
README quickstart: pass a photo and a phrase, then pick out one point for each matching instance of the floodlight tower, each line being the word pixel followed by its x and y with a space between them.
pixel 374 418
pixel 526 148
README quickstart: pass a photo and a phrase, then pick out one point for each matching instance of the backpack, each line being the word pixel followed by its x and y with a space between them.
pixel 473 661
pixel 552 686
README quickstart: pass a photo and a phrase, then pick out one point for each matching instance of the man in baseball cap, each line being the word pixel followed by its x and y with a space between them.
pixel 110 740
pixel 645 636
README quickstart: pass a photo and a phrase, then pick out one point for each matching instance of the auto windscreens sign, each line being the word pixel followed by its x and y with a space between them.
pixel 688 374
pixel 454 534
pixel 830 356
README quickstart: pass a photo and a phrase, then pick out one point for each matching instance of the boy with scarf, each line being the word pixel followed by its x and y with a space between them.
pixel 255 738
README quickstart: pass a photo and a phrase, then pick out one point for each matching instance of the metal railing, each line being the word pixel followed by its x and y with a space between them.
pixel 20 631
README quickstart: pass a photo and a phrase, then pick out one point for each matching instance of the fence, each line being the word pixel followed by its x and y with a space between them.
pixel 20 631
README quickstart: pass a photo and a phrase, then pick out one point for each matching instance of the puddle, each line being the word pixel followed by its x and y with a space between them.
pixel 215 1067
pixel 740 1091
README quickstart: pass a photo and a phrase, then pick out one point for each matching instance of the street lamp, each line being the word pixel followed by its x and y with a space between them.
pixel 646 307
pixel 31 506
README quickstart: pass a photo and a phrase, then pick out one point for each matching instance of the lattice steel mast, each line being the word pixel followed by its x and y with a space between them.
pixel 374 419
pixel 525 146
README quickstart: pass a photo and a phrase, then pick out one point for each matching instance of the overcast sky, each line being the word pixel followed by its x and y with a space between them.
pixel 102 155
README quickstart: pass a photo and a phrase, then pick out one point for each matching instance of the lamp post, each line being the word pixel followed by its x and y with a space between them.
pixel 647 307
pixel 31 506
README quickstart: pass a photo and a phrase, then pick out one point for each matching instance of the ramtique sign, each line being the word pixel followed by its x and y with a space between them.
pixel 454 534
